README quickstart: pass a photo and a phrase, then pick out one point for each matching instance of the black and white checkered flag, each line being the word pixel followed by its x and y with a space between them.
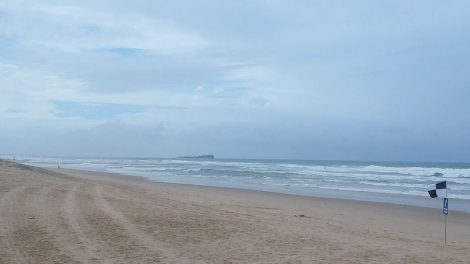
pixel 438 190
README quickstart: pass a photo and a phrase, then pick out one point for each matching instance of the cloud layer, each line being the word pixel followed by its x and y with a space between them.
pixel 257 79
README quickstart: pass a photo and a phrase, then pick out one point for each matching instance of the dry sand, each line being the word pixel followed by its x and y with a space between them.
pixel 66 216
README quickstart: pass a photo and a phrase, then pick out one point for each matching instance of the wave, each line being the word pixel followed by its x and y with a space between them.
pixel 410 180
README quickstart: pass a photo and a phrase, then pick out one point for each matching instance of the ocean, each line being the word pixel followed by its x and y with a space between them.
pixel 395 182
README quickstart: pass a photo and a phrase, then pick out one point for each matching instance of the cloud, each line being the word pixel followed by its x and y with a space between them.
pixel 72 28
pixel 26 92
pixel 332 79
pixel 95 110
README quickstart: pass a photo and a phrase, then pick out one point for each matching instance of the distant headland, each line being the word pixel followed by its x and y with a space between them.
pixel 198 157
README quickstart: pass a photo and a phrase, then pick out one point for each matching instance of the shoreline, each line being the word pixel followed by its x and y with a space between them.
pixel 72 216
pixel 243 191
pixel 459 205
pixel 398 183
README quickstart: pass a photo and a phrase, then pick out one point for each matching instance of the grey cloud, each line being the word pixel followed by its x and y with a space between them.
pixel 276 79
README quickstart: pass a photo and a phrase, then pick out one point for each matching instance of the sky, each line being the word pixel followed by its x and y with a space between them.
pixel 328 80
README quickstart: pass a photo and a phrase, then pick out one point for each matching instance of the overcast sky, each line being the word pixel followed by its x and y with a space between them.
pixel 356 80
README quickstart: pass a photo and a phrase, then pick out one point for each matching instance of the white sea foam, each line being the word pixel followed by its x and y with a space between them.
pixel 393 179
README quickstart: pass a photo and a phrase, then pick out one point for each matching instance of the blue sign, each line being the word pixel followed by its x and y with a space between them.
pixel 445 206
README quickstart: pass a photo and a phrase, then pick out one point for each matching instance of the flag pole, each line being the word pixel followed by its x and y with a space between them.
pixel 440 190
pixel 445 229
pixel 445 211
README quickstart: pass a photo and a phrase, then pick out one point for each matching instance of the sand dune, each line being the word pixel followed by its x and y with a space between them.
pixel 66 216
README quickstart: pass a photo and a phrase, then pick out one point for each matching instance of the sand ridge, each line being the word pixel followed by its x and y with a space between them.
pixel 67 216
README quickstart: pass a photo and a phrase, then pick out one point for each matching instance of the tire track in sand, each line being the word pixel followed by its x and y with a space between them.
pixel 46 210
pixel 140 237
pixel 34 225
pixel 6 226
pixel 50 207
pixel 72 214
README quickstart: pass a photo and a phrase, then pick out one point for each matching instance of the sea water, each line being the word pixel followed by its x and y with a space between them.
pixel 375 181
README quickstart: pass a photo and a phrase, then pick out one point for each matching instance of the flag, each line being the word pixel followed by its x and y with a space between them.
pixel 438 190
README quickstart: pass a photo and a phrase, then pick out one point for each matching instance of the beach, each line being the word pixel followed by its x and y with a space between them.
pixel 73 216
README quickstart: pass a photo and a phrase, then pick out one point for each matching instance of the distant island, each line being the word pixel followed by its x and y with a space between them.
pixel 198 157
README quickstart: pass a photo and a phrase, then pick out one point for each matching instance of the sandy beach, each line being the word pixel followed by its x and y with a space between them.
pixel 68 216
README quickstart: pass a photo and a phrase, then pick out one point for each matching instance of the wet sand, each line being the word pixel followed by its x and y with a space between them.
pixel 67 216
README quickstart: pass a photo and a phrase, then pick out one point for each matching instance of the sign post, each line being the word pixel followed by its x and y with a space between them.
pixel 440 190
pixel 445 211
